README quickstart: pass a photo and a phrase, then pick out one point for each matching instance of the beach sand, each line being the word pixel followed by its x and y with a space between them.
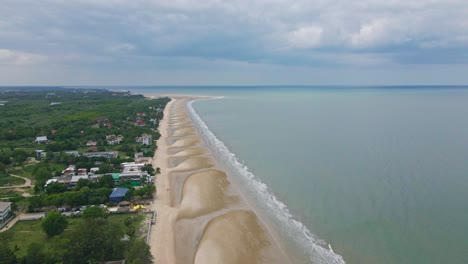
pixel 201 216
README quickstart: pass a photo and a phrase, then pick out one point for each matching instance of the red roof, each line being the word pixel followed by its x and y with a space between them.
pixel 140 123
pixel 92 148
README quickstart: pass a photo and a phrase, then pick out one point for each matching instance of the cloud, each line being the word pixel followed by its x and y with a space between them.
pixel 153 34
pixel 306 37
pixel 20 58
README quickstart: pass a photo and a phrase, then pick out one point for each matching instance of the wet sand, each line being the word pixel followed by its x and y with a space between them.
pixel 202 217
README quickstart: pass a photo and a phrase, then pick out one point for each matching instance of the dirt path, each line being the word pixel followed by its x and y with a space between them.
pixel 27 183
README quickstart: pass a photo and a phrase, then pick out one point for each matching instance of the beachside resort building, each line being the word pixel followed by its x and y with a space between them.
pixel 5 209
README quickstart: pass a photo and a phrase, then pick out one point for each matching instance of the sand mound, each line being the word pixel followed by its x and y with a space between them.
pixel 191 152
pixel 195 163
pixel 186 142
pixel 203 192
pixel 186 131
pixel 235 237
pixel 181 124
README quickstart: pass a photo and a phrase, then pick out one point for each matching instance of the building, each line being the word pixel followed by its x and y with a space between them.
pixel 74 180
pixel 41 139
pixel 117 195
pixel 107 154
pixel 5 209
pixel 72 153
pixel 133 173
pixel 41 154
pixel 113 139
pixel 91 143
pixel 145 139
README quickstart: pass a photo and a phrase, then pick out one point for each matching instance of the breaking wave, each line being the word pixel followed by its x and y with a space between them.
pixel 315 249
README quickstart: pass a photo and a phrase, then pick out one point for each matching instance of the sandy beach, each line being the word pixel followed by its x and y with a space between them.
pixel 201 216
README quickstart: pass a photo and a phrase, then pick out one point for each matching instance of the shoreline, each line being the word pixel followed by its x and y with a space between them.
pixel 196 198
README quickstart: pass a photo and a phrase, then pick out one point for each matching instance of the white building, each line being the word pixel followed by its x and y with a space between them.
pixel 41 139
pixel 5 209
pixel 146 139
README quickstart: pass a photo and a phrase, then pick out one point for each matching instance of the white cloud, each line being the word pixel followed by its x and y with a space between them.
pixel 14 57
pixel 305 37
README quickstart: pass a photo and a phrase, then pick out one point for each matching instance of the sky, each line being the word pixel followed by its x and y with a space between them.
pixel 240 42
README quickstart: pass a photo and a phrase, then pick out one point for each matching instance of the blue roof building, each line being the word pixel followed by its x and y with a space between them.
pixel 117 195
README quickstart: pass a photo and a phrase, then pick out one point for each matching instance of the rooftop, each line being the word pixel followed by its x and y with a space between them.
pixel 4 206
pixel 118 192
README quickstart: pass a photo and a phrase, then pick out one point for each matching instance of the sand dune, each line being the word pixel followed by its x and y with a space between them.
pixel 185 131
pixel 186 142
pixel 190 152
pixel 235 237
pixel 204 192
pixel 181 123
pixel 195 163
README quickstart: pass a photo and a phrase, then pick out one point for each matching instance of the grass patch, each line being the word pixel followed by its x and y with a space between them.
pixel 23 233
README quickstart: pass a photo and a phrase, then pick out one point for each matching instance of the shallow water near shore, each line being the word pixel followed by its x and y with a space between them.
pixel 380 174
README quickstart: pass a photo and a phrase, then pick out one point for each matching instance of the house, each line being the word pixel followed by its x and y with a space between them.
pixel 82 172
pixel 117 195
pixel 93 170
pixel 5 209
pixel 41 139
pixel 70 171
pixel 141 114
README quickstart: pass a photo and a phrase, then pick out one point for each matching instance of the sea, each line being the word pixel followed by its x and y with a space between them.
pixel 346 174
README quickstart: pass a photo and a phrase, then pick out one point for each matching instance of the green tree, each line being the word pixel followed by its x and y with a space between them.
pixel 94 212
pixel 105 168
pixel 35 254
pixel 56 187
pixel 106 181
pixel 7 256
pixel 54 223
pixel 137 252
pixel 95 240
pixel 20 155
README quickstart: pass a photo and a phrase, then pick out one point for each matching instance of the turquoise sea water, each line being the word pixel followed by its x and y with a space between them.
pixel 381 174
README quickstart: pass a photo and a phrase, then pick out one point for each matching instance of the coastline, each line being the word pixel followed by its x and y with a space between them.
pixel 214 222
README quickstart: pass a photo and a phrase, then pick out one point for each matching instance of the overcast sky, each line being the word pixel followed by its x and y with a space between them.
pixel 237 42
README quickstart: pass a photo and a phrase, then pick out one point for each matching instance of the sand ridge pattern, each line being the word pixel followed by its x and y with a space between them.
pixel 209 220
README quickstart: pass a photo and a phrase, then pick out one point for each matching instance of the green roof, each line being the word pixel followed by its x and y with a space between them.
pixel 116 176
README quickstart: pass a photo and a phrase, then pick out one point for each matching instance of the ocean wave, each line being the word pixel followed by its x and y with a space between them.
pixel 313 247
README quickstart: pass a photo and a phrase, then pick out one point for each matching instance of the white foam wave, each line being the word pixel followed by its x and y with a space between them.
pixel 314 248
